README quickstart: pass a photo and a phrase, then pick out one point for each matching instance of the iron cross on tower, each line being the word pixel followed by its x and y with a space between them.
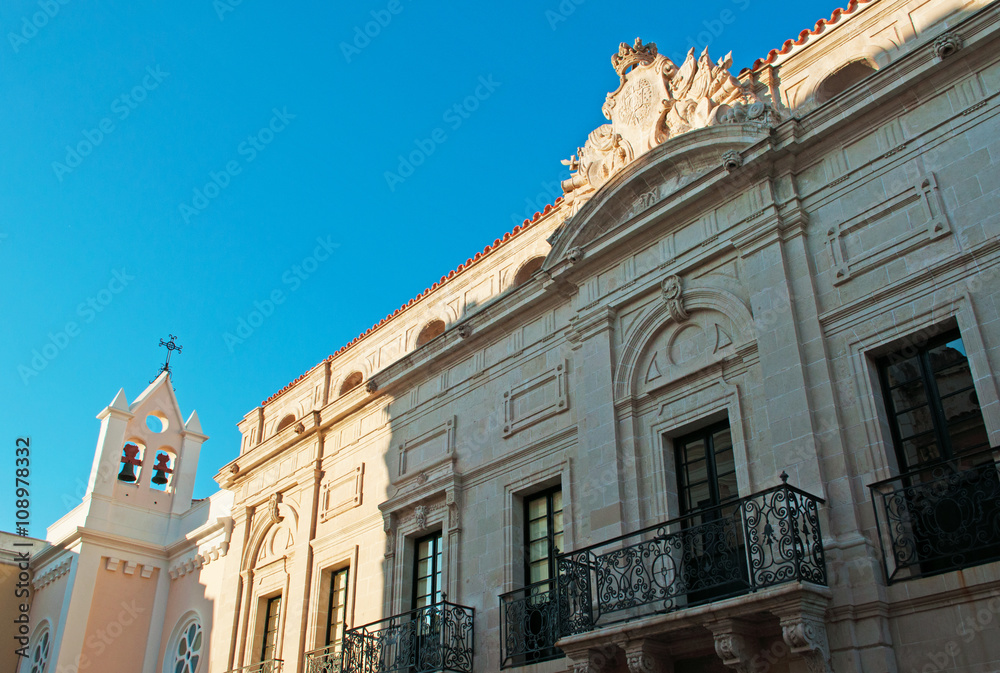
pixel 171 347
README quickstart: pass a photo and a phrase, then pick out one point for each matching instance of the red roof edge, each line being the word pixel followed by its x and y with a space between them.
pixel 479 256
pixel 804 36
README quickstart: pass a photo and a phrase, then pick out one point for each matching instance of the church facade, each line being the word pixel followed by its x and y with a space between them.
pixel 730 403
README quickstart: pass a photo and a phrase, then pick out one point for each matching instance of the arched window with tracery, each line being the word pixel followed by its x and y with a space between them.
pixel 38 655
pixel 185 653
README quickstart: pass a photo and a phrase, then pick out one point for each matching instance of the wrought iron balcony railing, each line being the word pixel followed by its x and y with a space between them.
pixel 762 540
pixel 324 660
pixel 940 517
pixel 268 666
pixel 436 638
pixel 529 625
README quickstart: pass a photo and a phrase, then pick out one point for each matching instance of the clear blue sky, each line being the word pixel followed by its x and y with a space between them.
pixel 299 119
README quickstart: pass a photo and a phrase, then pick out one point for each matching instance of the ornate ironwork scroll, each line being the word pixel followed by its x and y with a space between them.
pixel 438 637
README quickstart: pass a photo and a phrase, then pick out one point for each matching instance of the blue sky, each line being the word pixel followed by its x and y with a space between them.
pixel 166 165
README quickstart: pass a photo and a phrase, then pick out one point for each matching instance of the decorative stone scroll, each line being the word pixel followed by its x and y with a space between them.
pixel 672 294
pixel 657 100
pixel 806 637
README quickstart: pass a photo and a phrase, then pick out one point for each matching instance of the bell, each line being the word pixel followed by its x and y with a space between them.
pixel 130 460
pixel 160 469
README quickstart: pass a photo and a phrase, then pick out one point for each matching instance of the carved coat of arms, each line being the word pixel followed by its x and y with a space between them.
pixel 656 100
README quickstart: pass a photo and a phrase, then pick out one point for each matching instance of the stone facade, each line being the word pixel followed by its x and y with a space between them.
pixel 735 252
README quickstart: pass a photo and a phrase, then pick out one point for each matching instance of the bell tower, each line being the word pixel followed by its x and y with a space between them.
pixel 146 460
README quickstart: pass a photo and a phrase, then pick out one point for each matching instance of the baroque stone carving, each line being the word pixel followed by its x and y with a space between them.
pixel 272 508
pixel 371 386
pixel 420 514
pixel 574 255
pixel 464 331
pixel 807 638
pixel 672 294
pixel 299 428
pixel 657 100
pixel 732 649
pixel 947 45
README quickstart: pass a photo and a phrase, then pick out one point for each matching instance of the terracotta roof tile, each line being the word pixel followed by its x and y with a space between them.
pixel 804 36
pixel 479 256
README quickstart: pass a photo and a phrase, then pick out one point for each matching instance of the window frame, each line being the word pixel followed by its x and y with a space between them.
pixel 330 614
pixel 550 536
pixel 268 601
pixel 929 383
pixel 437 569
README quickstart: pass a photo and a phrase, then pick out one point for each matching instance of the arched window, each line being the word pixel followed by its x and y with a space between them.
pixel 351 382
pixel 843 79
pixel 186 651
pixel 527 270
pixel 432 329
pixel 38 655
pixel 285 422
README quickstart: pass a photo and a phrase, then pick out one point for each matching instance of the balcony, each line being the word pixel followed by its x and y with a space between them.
pixel 268 666
pixel 324 660
pixel 940 517
pixel 437 638
pixel 529 625
pixel 766 539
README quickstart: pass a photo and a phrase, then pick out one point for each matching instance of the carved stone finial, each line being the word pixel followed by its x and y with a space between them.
pixel 371 386
pixel 672 291
pixel 947 45
pixel 272 508
pixel 732 160
pixel 420 513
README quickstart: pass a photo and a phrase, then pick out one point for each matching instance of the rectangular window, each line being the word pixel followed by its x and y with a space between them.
pixel 427 571
pixel 543 535
pixel 711 532
pixel 272 616
pixel 337 612
pixel 941 510
pixel 932 404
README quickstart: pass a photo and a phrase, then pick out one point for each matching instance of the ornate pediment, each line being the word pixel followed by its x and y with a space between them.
pixel 655 101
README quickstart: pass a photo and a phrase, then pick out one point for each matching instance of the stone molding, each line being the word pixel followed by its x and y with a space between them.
pixel 51 574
